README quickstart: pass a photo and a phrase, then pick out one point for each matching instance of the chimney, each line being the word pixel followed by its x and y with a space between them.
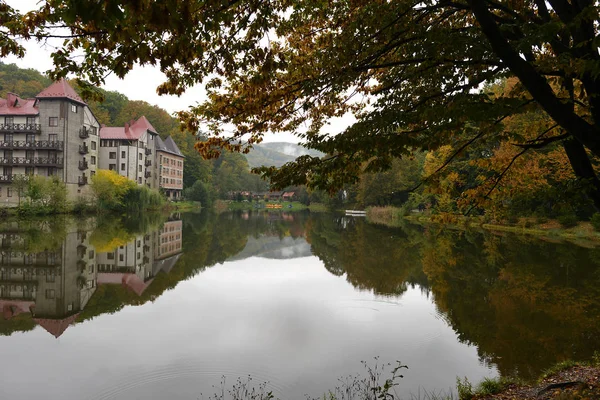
pixel 11 99
pixel 126 127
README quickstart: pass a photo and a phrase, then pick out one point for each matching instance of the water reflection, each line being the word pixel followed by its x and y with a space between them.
pixel 524 304
pixel 49 272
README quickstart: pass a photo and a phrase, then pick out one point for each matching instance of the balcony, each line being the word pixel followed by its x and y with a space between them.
pixel 84 133
pixel 148 163
pixel 27 128
pixel 6 178
pixel 83 149
pixel 33 161
pixel 35 145
pixel 83 165
pixel 83 180
pixel 148 151
pixel 148 174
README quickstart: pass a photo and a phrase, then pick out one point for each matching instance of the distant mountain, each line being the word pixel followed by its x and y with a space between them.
pixel 277 153
pixel 274 248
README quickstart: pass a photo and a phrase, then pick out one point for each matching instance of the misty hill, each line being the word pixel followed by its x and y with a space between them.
pixel 277 154
pixel 274 248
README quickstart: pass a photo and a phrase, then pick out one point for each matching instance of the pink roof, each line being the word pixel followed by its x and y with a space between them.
pixel 127 132
pixel 59 90
pixel 131 281
pixel 14 105
pixel 143 122
pixel 10 308
pixel 56 327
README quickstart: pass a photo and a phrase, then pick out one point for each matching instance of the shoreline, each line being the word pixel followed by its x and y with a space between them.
pixel 582 234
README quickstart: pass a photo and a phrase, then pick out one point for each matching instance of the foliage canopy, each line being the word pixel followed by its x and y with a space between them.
pixel 409 71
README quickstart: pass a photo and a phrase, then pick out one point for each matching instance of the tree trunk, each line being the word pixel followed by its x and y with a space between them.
pixel 583 168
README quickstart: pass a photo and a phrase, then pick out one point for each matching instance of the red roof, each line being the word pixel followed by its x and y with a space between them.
pixel 131 281
pixel 14 105
pixel 10 308
pixel 143 122
pixel 127 132
pixel 56 327
pixel 60 90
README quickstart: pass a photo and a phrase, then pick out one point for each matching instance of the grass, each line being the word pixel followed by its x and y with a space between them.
pixel 583 233
pixel 561 366
pixel 185 205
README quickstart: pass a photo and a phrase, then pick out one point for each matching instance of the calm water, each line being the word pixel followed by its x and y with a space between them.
pixel 164 307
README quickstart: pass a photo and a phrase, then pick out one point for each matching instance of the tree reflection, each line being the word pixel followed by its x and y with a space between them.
pixel 525 303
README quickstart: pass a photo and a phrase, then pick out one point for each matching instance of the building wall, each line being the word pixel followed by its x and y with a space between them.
pixel 169 240
pixel 170 173
pixel 71 118
pixel 130 158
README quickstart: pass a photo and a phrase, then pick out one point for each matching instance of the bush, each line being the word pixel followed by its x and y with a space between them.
pixel 568 220
pixel 464 388
pixel 201 192
pixel 595 220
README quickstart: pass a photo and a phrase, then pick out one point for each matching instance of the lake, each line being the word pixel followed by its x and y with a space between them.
pixel 169 306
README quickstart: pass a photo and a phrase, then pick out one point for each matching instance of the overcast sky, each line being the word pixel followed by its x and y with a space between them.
pixel 139 84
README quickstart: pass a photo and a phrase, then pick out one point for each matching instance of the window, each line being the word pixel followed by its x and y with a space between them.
pixel 91 254
pixel 140 156
pixel 110 256
pixel 50 278
pixel 74 108
pixel 30 120
pixel 51 171
pixel 29 154
pixel 92 173
pixel 112 155
pixel 7 171
pixel 91 269
pixel 123 154
pixel 93 160
pixel 53 121
pixel 122 166
pixel 30 138
pixel 112 167
pixel 140 180
pixel 94 130
pixel 29 170
pixel 9 120
pixel 49 293
pixel 8 137
pixel 121 258
pixel 90 284
pixel 8 154
pixel 139 168
pixel 53 137
pixel 8 192
pixel 93 145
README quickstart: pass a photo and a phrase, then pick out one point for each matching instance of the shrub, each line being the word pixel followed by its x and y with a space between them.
pixel 595 220
pixel 464 388
pixel 489 387
pixel 568 220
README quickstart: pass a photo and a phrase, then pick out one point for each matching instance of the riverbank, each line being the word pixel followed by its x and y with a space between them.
pixel 582 232
pixel 568 380
pixel 289 206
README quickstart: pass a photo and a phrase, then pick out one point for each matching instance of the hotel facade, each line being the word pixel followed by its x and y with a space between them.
pixel 56 134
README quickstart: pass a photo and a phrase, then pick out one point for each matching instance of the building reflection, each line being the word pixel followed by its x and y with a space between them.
pixel 54 284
